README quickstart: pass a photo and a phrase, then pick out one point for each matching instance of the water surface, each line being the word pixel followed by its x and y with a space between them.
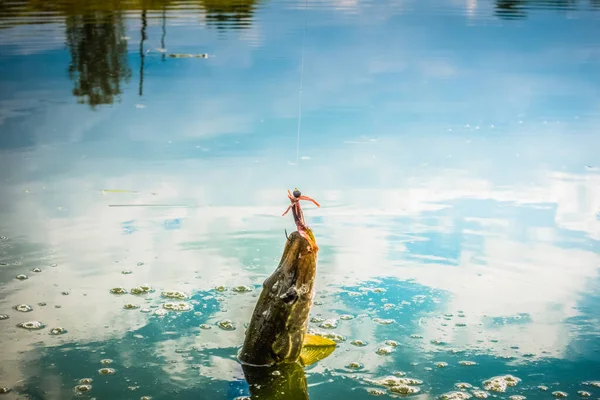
pixel 453 147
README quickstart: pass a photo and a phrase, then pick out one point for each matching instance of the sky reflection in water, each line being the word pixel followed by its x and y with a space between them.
pixel 453 147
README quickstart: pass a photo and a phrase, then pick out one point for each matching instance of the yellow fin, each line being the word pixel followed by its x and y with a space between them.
pixel 315 348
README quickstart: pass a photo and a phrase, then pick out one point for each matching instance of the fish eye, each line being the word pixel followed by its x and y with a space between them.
pixel 296 193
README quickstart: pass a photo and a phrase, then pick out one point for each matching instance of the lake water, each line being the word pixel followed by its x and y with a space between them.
pixel 453 146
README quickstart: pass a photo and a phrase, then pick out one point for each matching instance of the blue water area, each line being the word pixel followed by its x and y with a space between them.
pixel 452 145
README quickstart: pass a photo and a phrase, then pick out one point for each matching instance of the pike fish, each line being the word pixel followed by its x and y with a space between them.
pixel 277 334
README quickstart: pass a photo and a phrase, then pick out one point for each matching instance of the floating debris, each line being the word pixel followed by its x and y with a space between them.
pixel 3 317
pixel 543 388
pixel 174 294
pixel 583 393
pixel 392 343
pixel 331 323
pixel 81 389
pixel 395 381
pixel 180 306
pixel 64 293
pixel 86 381
pixel 131 306
pixel 415 336
pixel 146 398
pixel 455 395
pixel 516 397
pixel 242 289
pixel 36 270
pixel 466 363
pixel 187 55
pixel 58 331
pixel 437 342
pixel 221 288
pixel 31 325
pixel 441 364
pixel 379 290
pixel 592 383
pixel 128 272
pixel 161 312
pixel 355 365
pixel 376 392
pixel 118 290
pixel 500 383
pixel 205 326
pixel 317 320
pixel 480 394
pixel 226 325
pixel 385 350
pixel 559 394
pixel 346 317
pixel 22 277
pixel 106 361
pixel 4 389
pixel 141 290
pixel 23 308
pixel 106 371
pixel 359 343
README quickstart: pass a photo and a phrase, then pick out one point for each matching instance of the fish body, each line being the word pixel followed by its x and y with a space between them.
pixel 278 325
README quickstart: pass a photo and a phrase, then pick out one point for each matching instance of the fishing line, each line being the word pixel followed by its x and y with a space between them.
pixel 301 82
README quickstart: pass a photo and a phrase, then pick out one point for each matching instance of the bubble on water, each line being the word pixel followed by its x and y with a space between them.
pixel 221 288
pixel 139 264
pixel 127 272
pixel 141 290
pixel 355 365
pixel 22 277
pixel 146 398
pixel 4 389
pixel 583 393
pixel 346 317
pixel 161 312
pixel 3 238
pixel 145 310
pixel 118 290
pixel 317 320
pixel 379 290
pixel 174 294
pixel 559 394
pixel 592 383
pixel 400 373
pixel 53 265
pixel 437 342
pixel 106 371
pixel 455 395
pixel 330 323
pixel 543 388
pixel 31 325
pixel 460 324
pixel 463 385
pixel 276 373
pixel 384 350
pixel 404 389
pixel 177 306
pixel 441 364
pixel 205 326
pixel 392 343
pixel 36 270
pixel 3 317
pixel 242 289
pixel 226 325
pixel 415 336
pixel 359 343
pixel 81 389
pixel 383 321
pixel 131 306
pixel 64 293
pixel 318 303
pixel 23 308
pixel 500 383
pixel 388 306
pixel 376 392
pixel 58 331
pixel 480 394
pixel 106 361
pixel 85 381
pixel 466 363
pixel 336 337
